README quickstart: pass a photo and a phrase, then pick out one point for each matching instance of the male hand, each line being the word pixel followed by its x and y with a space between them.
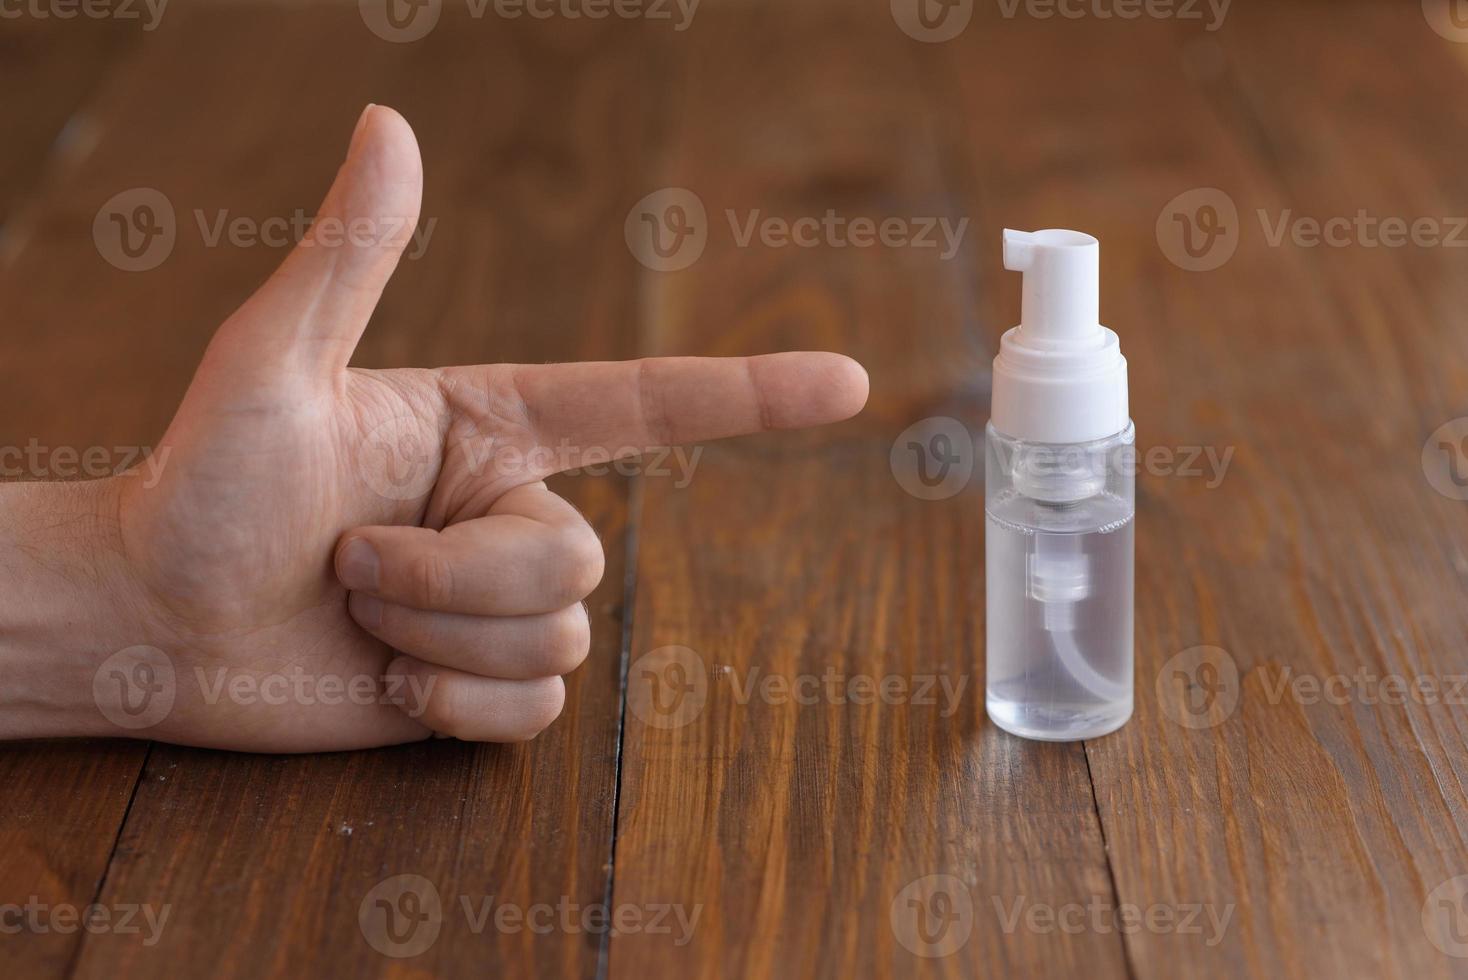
pixel 335 558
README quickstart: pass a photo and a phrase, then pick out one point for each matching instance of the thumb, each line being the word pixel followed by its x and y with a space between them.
pixel 309 315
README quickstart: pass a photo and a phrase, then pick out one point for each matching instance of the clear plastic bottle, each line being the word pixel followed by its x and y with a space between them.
pixel 1059 502
pixel 1058 535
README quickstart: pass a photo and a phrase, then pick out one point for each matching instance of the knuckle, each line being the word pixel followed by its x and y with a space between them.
pixel 541 704
pixel 447 709
pixel 569 641
pixel 579 562
pixel 431 580
pixel 400 626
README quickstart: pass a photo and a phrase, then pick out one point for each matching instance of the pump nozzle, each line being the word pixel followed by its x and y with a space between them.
pixel 1062 272
pixel 1059 376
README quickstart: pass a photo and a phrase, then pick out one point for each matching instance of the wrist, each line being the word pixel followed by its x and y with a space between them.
pixel 63 575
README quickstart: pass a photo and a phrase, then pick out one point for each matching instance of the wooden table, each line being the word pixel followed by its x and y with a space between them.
pixel 1239 825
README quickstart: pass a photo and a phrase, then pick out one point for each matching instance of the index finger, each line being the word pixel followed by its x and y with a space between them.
pixel 593 411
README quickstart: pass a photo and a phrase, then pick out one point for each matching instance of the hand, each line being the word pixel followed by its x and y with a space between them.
pixel 334 558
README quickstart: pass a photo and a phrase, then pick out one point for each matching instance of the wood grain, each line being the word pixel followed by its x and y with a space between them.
pixel 1319 828
pixel 850 835
pixel 804 830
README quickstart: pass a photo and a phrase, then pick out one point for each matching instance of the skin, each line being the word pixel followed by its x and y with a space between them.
pixel 335 558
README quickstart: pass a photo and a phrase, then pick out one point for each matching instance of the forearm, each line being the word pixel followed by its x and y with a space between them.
pixel 61 563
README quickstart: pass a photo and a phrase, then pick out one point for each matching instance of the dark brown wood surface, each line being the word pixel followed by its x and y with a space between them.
pixel 1274 834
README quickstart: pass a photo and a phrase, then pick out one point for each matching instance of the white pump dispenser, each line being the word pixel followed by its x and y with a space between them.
pixel 1059 501
pixel 1059 376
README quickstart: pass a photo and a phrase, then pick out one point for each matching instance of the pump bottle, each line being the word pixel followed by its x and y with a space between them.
pixel 1059 503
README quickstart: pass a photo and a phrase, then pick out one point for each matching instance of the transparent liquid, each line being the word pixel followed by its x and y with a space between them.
pixel 1045 681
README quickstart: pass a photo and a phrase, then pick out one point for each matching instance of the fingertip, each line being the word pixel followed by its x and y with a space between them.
pixel 358 563
pixel 808 388
pixel 848 387
pixel 389 167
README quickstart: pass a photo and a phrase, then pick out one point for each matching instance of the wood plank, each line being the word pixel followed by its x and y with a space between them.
pixel 1318 828
pixel 832 838
pixel 264 861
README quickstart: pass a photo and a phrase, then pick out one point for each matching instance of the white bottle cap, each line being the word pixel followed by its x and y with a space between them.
pixel 1059 376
